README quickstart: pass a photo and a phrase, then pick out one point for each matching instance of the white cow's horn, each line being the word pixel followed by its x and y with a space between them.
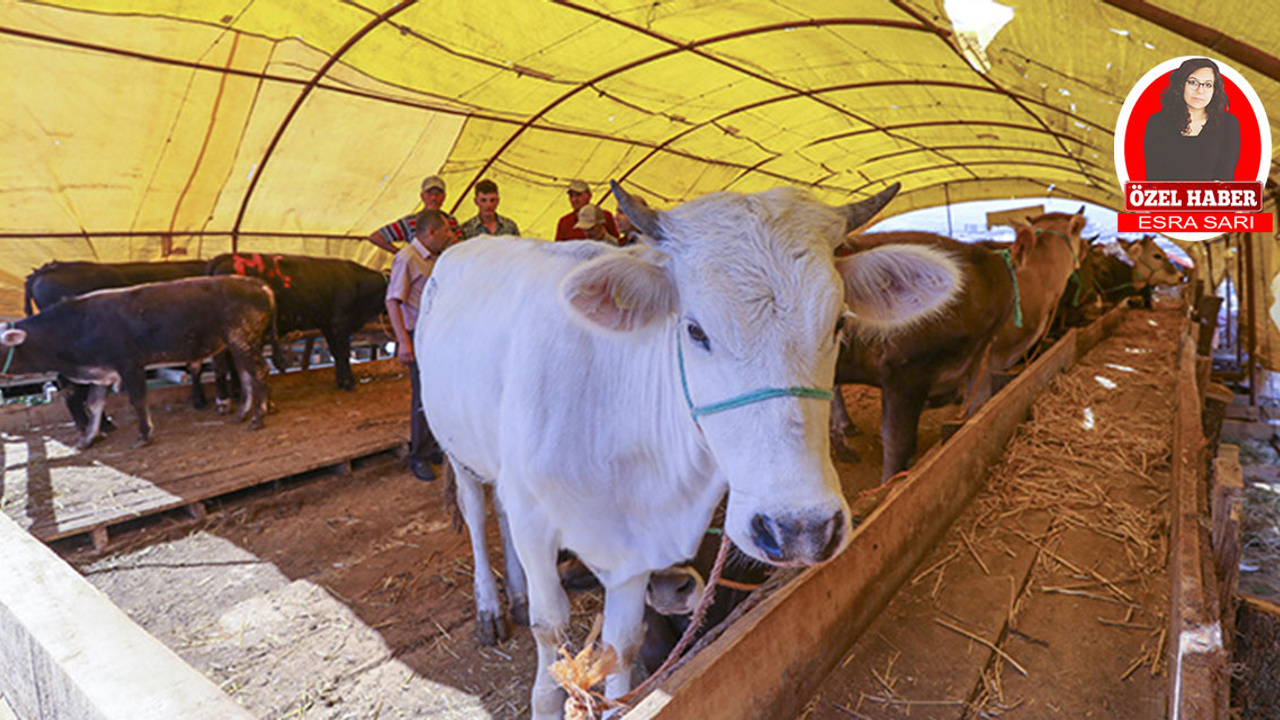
pixel 644 218
pixel 860 213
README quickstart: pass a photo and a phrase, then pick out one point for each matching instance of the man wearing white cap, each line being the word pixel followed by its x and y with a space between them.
pixel 580 197
pixel 591 222
pixel 394 236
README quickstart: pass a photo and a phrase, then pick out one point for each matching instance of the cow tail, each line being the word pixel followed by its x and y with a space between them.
pixel 273 335
pixel 451 498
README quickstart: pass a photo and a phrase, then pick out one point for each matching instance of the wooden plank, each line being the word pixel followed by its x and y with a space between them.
pixel 1244 412
pixel 55 492
pixel 1236 430
pixel 67 652
pixel 769 663
pixel 1256 694
pixel 1262 474
pixel 1197 659
pixel 1226 504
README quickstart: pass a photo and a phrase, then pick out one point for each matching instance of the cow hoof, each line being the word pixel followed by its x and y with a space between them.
pixel 141 442
pixel 348 385
pixel 520 612
pixel 224 407
pixel 575 576
pixel 255 424
pixel 491 628
pixel 843 452
pixel 84 443
pixel 199 403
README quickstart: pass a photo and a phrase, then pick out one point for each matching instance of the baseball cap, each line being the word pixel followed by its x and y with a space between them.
pixel 432 182
pixel 589 216
pixel 578 186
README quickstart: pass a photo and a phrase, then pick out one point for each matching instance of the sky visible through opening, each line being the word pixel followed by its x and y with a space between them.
pixel 968 221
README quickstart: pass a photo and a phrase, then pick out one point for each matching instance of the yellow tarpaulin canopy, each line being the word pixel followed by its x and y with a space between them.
pixel 166 128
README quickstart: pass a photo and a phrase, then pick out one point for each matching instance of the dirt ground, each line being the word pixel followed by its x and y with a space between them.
pixel 340 597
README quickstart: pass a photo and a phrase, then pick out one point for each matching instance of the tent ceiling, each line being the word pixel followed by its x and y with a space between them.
pixel 292 123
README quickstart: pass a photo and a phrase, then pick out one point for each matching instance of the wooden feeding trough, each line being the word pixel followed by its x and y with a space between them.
pixel 771 661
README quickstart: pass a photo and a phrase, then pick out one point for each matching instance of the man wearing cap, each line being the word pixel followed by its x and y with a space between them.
pixel 591 222
pixel 410 271
pixel 392 237
pixel 487 221
pixel 579 197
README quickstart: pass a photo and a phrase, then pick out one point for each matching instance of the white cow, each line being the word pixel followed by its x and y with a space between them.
pixel 612 396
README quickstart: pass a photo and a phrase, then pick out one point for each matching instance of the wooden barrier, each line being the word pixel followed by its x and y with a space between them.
pixel 1099 330
pixel 68 653
pixel 772 659
pixel 1226 507
pixel 1197 660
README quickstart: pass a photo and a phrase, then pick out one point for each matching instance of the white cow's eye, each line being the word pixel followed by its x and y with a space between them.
pixel 698 336
pixel 840 326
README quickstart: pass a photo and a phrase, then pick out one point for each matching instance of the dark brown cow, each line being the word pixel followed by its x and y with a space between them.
pixel 57 280
pixel 111 336
pixel 939 359
pixel 336 297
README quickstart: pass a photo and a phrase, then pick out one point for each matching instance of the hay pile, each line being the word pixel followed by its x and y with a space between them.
pixel 1094 456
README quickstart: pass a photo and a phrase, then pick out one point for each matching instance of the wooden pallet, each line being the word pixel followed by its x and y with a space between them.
pixel 55 492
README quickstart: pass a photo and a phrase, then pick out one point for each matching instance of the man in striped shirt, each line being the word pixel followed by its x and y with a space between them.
pixel 396 235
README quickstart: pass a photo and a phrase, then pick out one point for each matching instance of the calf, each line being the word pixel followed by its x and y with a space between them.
pixel 1046 254
pixel 336 297
pixel 1151 268
pixel 941 359
pixel 111 336
pixel 56 281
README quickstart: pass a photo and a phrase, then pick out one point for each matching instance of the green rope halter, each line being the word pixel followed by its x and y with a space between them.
pixel 1017 295
pixel 754 396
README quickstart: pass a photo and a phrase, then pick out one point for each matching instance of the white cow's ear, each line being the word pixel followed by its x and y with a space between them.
pixel 895 285
pixel 12 336
pixel 619 292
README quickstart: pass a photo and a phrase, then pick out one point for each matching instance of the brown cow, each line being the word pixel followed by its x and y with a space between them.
pixel 938 360
pixel 1151 266
pixel 1046 254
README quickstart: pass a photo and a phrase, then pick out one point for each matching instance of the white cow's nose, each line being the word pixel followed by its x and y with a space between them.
pixel 798 540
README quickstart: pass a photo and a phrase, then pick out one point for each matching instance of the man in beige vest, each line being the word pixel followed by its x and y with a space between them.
pixel 409 273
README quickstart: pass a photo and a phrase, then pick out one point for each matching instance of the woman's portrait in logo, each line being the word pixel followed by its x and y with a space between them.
pixel 1194 136
pixel 1191 119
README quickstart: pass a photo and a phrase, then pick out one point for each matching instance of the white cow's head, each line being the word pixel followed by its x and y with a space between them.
pixel 760 304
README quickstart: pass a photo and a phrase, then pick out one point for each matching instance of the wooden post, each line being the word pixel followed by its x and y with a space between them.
pixel 1197 661
pixel 1249 283
pixel 1207 317
pixel 1228 497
